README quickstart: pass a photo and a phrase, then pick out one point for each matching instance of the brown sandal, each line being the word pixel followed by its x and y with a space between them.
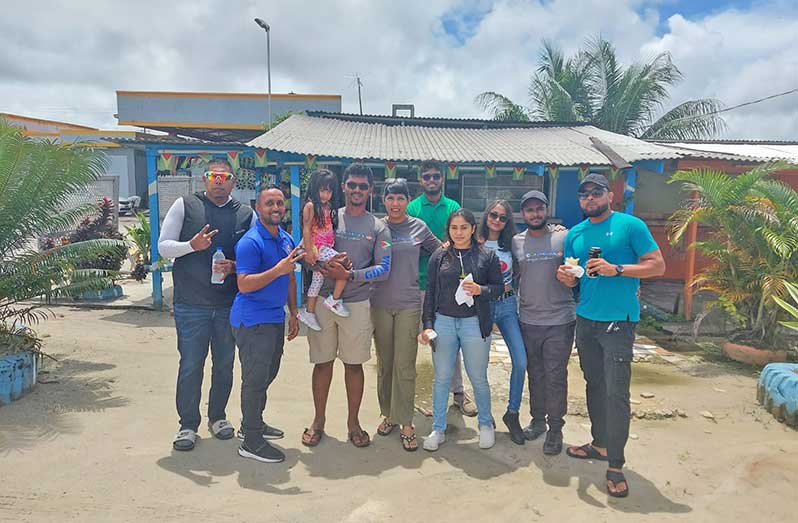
pixel 314 437
pixel 386 427
pixel 359 438
pixel 407 441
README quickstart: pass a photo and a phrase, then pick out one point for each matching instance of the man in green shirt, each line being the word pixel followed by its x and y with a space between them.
pixel 433 208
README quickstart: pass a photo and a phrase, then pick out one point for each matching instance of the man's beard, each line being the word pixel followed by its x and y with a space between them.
pixel 541 226
pixel 598 211
pixel 434 192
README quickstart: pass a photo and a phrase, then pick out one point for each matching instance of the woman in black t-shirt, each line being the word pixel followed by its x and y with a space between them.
pixel 451 326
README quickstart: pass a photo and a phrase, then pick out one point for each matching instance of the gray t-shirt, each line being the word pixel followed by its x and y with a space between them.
pixel 367 241
pixel 400 290
pixel 543 299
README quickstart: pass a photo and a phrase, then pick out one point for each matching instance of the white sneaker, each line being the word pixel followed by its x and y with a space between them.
pixel 309 319
pixel 487 437
pixel 434 439
pixel 336 306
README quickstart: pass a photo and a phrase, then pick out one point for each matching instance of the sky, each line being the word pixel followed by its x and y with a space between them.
pixel 65 60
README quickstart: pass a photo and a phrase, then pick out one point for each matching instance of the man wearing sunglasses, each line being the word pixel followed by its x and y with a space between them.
pixel 434 208
pixel 366 240
pixel 606 317
pixel 194 227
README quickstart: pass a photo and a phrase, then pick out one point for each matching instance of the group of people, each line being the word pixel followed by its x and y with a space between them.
pixel 427 273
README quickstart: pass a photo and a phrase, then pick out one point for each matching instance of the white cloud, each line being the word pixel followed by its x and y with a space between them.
pixel 64 60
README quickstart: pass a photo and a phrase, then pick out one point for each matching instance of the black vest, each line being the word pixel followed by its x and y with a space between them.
pixel 192 272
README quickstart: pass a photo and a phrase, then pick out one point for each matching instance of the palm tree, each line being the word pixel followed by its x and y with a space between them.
pixel 592 86
pixel 752 243
pixel 36 180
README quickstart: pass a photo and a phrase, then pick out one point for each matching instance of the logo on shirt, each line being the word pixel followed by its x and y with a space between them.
pixel 351 235
pixel 385 244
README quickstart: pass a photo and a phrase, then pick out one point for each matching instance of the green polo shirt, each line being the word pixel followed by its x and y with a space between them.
pixel 435 216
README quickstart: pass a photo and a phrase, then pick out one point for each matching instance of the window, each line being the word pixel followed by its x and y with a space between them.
pixel 478 191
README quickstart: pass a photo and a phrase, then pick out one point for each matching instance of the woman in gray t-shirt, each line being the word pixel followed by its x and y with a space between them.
pixel 396 314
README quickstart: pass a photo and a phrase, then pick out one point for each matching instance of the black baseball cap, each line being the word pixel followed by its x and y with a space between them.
pixel 537 195
pixel 596 178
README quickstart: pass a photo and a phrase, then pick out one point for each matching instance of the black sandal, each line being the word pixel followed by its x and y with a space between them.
pixel 589 450
pixel 406 440
pixel 616 478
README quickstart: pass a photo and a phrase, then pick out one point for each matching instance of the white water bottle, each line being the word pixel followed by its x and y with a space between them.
pixel 217 277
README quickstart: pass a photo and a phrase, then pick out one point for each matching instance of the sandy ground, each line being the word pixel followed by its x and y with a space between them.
pixel 94 444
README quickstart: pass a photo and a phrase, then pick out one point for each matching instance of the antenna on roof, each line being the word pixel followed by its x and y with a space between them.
pixel 356 79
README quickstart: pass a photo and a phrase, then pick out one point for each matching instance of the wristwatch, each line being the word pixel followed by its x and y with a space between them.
pixel 619 270
pixel 351 275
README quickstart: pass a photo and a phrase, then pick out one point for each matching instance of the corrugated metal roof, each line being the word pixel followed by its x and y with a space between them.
pixel 328 135
pixel 761 151
pixel 142 139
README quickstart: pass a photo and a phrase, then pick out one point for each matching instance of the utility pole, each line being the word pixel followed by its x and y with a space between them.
pixel 359 98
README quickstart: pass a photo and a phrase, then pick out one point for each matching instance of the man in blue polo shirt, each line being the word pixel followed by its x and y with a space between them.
pixel 606 317
pixel 265 259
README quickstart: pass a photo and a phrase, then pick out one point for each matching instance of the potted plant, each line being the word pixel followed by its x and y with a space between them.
pixel 38 178
pixel 751 247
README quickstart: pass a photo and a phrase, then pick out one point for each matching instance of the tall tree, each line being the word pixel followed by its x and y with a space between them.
pixel 592 86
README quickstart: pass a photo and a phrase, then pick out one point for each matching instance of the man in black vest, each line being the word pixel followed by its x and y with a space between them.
pixel 193 229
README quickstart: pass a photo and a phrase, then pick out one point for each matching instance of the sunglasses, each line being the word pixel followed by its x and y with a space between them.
pixel 595 193
pixel 433 176
pixel 354 185
pixel 224 176
pixel 500 217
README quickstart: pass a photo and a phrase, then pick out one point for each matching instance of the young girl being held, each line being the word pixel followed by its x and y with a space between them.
pixel 319 221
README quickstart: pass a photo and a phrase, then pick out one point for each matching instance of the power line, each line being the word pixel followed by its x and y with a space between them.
pixel 752 102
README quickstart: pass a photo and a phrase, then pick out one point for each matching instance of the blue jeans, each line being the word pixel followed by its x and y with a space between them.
pixel 197 329
pixel 505 315
pixel 455 334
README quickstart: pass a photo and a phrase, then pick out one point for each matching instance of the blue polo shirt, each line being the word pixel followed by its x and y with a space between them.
pixel 623 239
pixel 256 252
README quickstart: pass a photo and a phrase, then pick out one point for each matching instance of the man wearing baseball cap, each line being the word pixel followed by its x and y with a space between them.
pixel 547 318
pixel 616 250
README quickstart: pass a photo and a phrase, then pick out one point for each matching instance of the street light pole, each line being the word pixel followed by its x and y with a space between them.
pixel 266 28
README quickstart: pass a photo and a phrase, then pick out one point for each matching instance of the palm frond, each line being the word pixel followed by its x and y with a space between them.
pixel 690 120
pixel 501 108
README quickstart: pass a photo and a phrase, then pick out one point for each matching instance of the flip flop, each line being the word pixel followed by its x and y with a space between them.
pixel 315 437
pixel 407 440
pixel 615 477
pixel 389 427
pixel 362 436
pixel 589 450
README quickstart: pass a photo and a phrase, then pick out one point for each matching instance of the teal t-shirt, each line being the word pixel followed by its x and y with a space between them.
pixel 623 239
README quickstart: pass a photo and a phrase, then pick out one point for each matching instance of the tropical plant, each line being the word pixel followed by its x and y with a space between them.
pixel 100 225
pixel 592 86
pixel 37 179
pixel 791 309
pixel 139 235
pixel 753 239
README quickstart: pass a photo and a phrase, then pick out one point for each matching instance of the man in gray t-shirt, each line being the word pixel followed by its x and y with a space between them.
pixel 547 314
pixel 367 242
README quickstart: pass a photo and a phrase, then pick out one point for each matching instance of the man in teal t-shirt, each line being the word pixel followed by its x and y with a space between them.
pixel 606 316
pixel 433 208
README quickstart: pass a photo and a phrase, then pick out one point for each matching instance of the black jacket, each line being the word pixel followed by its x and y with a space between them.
pixel 488 275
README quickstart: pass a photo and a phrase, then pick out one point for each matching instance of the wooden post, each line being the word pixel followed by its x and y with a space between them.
pixel 692 235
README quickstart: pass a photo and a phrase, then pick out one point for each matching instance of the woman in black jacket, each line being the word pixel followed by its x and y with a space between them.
pixel 452 326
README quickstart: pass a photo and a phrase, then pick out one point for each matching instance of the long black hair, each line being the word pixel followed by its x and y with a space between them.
pixel 321 179
pixel 468 216
pixel 506 236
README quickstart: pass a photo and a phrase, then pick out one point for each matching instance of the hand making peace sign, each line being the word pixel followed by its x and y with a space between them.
pixel 202 240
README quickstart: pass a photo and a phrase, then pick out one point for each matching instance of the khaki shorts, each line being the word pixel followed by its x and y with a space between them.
pixel 348 339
